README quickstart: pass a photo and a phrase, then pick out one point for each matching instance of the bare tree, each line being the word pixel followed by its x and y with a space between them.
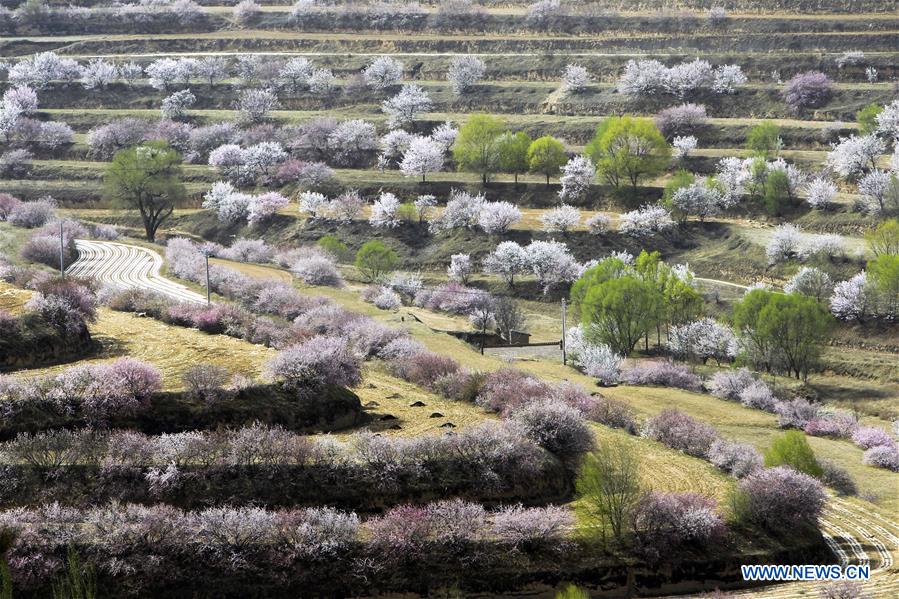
pixel 509 317
pixel 608 487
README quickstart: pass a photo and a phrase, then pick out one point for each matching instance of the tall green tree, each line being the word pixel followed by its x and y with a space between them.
pixel 513 153
pixel 572 592
pixel 792 449
pixel 883 277
pixel 477 147
pixel 764 140
pixel 621 311
pixel 146 178
pixel 777 192
pixel 758 176
pixel 77 582
pixel 626 149
pixel 884 240
pixel 374 260
pixel 782 330
pixel 867 118
pixel 546 155
pixel 608 487
pixel 679 301
pixel 607 269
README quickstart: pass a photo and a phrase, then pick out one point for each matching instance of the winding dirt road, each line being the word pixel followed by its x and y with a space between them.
pixel 127 267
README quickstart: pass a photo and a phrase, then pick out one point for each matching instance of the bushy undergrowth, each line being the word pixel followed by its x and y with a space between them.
pixel 54 325
pixel 780 499
pixel 666 522
pixel 264 316
pixel 270 465
pixel 679 431
pixel 508 391
pixel 231 550
pixel 665 374
pixel 92 391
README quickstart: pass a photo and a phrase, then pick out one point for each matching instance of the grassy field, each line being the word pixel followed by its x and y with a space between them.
pixel 390 403
pixel 772 42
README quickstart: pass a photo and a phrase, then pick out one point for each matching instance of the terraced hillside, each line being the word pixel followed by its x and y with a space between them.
pixel 353 171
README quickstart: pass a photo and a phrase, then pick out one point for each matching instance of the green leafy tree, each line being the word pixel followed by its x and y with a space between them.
pixel 546 155
pixel 407 212
pixel 867 118
pixel 777 192
pixel 682 178
pixel 621 311
pixel 792 449
pixel 513 153
pixel 883 277
pixel 606 270
pixel 374 260
pixel 572 592
pixel 884 240
pixel 608 487
pixel 146 178
pixel 764 140
pixel 758 176
pixel 679 300
pixel 628 149
pixel 476 149
pixel 782 330
pixel 335 247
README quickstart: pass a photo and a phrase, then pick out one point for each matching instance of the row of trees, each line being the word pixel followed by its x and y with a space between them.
pixel 618 304
pixel 623 150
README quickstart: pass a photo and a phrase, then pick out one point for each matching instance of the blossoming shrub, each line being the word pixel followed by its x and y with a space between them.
pixel 679 431
pixel 665 374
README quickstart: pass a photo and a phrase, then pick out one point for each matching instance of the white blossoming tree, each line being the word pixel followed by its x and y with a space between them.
pixel 464 72
pixel 820 192
pixel 849 300
pixel 576 79
pixel 595 359
pixel 497 217
pixel 853 156
pixel 423 156
pixel 384 212
pixel 561 219
pixel 460 268
pixel 578 175
pixel 406 106
pixel 785 243
pixel 383 72
pixel 507 260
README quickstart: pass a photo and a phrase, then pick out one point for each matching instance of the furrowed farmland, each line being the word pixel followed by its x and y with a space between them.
pixel 486 298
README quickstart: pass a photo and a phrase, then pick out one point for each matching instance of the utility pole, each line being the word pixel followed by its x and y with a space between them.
pixel 564 316
pixel 208 298
pixel 62 254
